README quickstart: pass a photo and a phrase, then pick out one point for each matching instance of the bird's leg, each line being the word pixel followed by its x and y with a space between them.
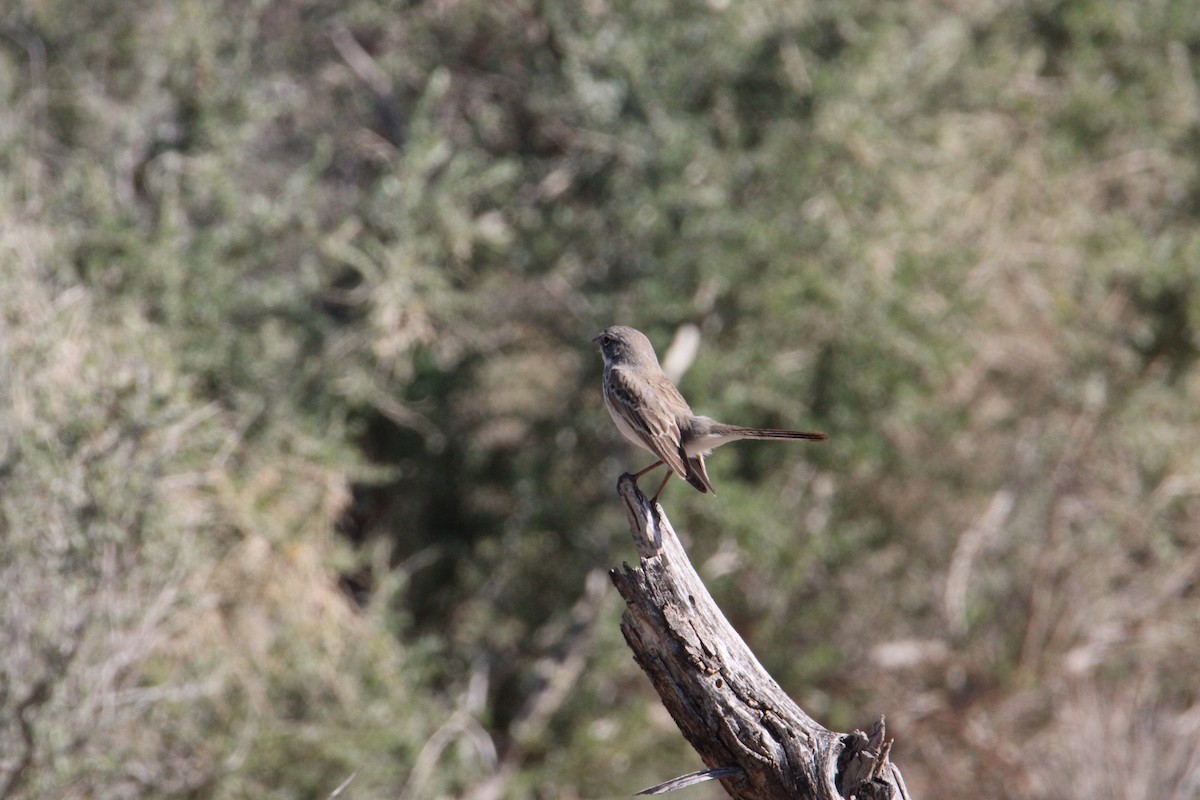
pixel 655 465
pixel 647 469
pixel 662 486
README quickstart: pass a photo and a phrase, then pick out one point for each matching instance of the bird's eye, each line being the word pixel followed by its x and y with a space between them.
pixel 606 340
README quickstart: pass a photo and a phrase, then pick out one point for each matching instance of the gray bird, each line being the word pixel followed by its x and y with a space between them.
pixel 650 412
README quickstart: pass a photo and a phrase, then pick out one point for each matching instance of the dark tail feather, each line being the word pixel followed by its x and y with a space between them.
pixel 772 433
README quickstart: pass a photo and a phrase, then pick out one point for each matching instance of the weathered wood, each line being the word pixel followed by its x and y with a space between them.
pixel 731 711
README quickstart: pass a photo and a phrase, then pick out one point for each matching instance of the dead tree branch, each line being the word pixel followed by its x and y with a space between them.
pixel 731 711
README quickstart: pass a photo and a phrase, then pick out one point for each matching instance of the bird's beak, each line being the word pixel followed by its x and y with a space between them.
pixel 596 340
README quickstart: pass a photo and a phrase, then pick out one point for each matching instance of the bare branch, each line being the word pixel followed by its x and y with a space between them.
pixel 726 705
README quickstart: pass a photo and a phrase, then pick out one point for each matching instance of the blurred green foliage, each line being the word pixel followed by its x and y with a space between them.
pixel 304 473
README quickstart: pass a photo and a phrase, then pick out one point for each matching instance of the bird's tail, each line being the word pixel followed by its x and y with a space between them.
pixel 773 433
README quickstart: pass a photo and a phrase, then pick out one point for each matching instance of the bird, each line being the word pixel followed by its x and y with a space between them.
pixel 650 412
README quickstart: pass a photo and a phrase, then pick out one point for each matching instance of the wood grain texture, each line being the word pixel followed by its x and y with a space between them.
pixel 729 709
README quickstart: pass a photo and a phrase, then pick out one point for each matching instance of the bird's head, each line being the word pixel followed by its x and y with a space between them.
pixel 620 345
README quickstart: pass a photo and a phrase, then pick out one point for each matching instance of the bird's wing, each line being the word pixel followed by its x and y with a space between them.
pixel 697 475
pixel 635 399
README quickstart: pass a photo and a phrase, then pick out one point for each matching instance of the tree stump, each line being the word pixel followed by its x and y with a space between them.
pixel 752 737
